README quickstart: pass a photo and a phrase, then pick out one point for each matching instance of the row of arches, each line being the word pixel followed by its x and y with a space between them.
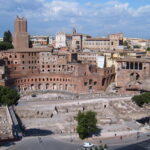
pixel 132 65
pixel 108 80
pixel 46 86
pixel 56 79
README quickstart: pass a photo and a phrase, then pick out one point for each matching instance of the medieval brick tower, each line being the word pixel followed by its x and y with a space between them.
pixel 20 36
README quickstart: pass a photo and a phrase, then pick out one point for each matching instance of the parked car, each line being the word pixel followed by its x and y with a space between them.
pixel 88 145
pixel 33 95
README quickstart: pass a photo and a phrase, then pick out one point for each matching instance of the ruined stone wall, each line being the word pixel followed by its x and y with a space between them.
pixel 29 71
pixel 128 73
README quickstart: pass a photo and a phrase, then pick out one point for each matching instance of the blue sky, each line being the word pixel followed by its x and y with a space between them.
pixel 94 17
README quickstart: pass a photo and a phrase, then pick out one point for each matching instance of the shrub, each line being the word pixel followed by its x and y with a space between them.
pixel 142 99
pixel 8 96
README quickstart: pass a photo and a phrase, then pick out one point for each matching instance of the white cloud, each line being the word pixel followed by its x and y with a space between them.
pixel 142 11
pixel 90 16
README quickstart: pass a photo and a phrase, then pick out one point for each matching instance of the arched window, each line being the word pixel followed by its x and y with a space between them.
pixel 47 85
pixel 39 86
pixel 103 81
pixel 134 76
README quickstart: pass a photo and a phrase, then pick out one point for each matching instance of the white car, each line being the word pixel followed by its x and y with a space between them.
pixel 88 145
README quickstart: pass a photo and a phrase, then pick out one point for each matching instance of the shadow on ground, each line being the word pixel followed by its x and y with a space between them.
pixel 6 143
pixel 37 132
pixel 139 146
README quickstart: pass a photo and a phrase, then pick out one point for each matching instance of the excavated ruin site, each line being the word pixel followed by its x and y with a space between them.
pixel 114 114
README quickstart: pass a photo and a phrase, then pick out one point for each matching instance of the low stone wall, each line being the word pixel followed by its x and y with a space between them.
pixel 5 124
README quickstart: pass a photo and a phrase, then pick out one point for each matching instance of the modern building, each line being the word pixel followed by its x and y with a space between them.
pixel 62 40
pixel 112 42
pixel 1 39
pixel 39 41
pixel 98 44
pixel 72 41
pixel 2 73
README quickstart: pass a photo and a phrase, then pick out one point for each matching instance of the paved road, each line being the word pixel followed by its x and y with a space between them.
pixel 116 143
pixel 62 102
pixel 139 146
pixel 43 143
pixel 50 143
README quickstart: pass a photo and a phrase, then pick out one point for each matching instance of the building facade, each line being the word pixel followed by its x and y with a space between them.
pixel 133 75
pixel 62 40
pixel 34 70
pixel 39 41
pixel 112 42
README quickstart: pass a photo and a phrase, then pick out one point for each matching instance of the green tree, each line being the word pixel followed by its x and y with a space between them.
pixel 126 43
pixel 30 44
pixel 7 37
pixel 142 99
pixel 8 96
pixel 148 49
pixel 136 46
pixel 86 124
pixel 5 46
pixel 7 41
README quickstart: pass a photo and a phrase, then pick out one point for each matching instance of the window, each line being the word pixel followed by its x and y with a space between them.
pixel 90 81
pixel 95 83
pixel 131 65
pixel 77 42
pixel 103 82
pixel 90 87
pixel 85 83
pixel 127 66
pixel 140 66
pixel 136 66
